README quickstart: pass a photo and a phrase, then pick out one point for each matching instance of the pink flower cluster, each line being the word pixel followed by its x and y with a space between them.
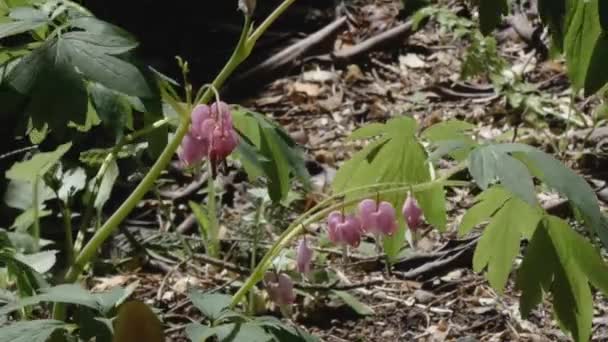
pixel 345 229
pixel 373 217
pixel 211 135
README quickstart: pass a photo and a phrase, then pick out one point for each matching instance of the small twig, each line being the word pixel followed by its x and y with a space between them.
pixel 223 264
pixel 336 286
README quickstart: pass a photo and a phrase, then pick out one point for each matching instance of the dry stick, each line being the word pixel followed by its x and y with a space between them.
pixel 394 35
pixel 287 57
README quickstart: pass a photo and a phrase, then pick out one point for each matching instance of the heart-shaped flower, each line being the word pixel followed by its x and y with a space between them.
pixel 344 229
pixel 211 135
pixel 377 218
pixel 412 213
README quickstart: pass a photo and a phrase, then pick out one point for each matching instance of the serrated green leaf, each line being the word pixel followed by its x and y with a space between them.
pixel 37 166
pixel 30 331
pixel 574 187
pixel 457 149
pixel 211 305
pixel 394 157
pixel 72 181
pixel 98 65
pixel 488 203
pixel 499 244
pixel 536 272
pixel 100 27
pixel 103 43
pixel 572 300
pixel 492 162
pixel 358 306
pixel 449 130
pixel 56 93
pixel 490 14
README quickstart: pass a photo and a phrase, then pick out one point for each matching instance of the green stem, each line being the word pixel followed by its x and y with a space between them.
pixel 90 249
pixel 214 239
pixel 317 214
pixel 254 252
pixel 269 21
pixel 127 139
pixel 69 242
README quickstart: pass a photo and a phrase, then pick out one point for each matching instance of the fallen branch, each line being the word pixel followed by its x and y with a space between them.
pixel 288 57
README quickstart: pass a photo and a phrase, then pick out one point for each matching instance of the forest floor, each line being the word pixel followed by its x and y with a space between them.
pixel 320 103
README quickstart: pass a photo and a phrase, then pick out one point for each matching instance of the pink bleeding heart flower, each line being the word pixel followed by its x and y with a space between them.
pixel 377 218
pixel 279 288
pixel 211 134
pixel 304 256
pixel 191 151
pixel 344 229
pixel 412 212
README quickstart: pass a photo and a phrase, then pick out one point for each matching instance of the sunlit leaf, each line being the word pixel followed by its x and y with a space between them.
pixel 355 304
pixel 210 304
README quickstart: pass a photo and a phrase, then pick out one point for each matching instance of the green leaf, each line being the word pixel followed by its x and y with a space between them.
pixel 96 63
pixel 41 262
pixel 394 157
pixel 202 218
pixel 17 27
pixel 581 37
pixel 37 166
pixel 278 155
pixel 31 331
pixel 574 187
pixel 499 244
pixel 237 332
pixel 200 333
pixel 490 14
pixel 367 131
pixel 355 304
pixel 597 76
pixel 536 272
pixel 108 44
pixel 558 244
pixel 106 186
pixel 56 92
pixel 211 305
pixel 449 130
pixel 491 162
pixel 112 107
pixel 66 293
pixel 488 202
pixel 72 181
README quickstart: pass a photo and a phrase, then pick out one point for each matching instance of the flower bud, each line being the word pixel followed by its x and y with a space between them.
pixel 303 256
pixel 247 6
pixel 412 213
pixel 279 288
